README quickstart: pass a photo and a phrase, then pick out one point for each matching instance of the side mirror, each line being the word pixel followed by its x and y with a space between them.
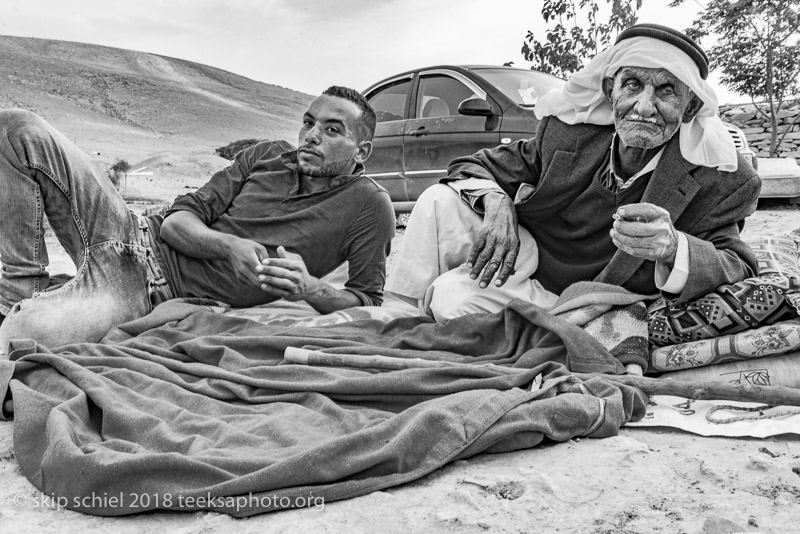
pixel 475 107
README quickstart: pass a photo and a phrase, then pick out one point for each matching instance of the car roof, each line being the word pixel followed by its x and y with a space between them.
pixel 452 67
pixel 459 67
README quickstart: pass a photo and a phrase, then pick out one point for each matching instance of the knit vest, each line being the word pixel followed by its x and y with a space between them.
pixel 572 233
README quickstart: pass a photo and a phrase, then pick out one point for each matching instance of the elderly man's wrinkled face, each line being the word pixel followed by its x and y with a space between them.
pixel 649 105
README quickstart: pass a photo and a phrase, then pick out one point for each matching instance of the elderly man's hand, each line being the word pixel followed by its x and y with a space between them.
pixel 645 231
pixel 497 244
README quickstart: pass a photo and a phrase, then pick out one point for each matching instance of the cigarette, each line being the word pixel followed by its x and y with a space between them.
pixel 618 217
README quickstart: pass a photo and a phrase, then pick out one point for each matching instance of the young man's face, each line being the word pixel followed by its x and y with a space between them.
pixel 649 105
pixel 329 144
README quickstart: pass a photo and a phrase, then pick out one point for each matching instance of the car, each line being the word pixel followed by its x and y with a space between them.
pixel 740 141
pixel 426 117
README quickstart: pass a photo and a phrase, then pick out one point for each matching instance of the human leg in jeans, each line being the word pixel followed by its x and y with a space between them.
pixel 42 172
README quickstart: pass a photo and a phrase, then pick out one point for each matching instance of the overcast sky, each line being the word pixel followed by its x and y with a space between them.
pixel 305 45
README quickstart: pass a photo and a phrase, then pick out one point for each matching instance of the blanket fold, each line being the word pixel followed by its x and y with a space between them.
pixel 188 409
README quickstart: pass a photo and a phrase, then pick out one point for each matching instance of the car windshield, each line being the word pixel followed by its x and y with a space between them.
pixel 524 87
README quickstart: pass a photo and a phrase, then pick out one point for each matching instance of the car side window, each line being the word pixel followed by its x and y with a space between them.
pixel 440 95
pixel 389 101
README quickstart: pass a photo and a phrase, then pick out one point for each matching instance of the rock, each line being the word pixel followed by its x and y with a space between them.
pixel 784 498
pixel 720 525
pixel 786 113
pixel 379 496
pixel 781 127
pixel 761 463
pixel 743 116
pixel 710 473
pixel 451 519
pixel 626 444
pixel 758 137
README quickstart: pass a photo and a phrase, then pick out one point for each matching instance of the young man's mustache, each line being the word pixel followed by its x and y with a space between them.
pixel 307 148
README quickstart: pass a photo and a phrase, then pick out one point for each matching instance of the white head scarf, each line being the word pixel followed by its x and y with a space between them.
pixel 703 141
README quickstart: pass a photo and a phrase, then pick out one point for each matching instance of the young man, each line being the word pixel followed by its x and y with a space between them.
pixel 632 180
pixel 267 227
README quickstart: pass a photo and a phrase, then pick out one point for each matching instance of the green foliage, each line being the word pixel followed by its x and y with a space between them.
pixel 757 50
pixel 120 166
pixel 117 171
pixel 231 149
pixel 576 32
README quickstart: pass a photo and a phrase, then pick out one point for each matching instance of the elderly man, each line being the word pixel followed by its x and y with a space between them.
pixel 631 180
pixel 267 227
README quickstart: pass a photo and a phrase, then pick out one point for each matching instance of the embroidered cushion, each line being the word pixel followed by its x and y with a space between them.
pixel 772 296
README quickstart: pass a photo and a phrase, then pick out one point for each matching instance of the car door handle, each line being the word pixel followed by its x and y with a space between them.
pixel 419 132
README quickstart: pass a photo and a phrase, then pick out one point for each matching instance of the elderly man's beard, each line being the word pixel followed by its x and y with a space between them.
pixel 642 137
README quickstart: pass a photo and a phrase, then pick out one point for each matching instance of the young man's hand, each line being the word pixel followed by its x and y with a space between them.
pixel 287 277
pixel 189 235
pixel 245 258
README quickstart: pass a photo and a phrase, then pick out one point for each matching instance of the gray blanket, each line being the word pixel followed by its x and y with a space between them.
pixel 188 409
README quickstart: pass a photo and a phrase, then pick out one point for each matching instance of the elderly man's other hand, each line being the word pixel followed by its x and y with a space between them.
pixel 497 244
pixel 287 277
pixel 645 231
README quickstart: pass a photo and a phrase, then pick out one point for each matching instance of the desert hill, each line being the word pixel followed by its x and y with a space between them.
pixel 132 105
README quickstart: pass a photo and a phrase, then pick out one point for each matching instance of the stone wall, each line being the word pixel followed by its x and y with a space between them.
pixel 758 130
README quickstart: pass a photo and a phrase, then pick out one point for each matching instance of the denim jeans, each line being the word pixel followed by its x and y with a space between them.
pixel 118 279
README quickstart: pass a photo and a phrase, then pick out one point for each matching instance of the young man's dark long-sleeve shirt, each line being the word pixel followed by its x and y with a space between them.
pixel 257 198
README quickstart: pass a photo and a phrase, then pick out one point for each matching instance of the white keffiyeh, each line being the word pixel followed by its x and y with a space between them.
pixel 703 141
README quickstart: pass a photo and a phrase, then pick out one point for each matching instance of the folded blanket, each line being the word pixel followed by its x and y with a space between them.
pixel 189 409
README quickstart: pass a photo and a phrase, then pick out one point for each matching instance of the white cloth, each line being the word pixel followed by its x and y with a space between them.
pixel 704 140
pixel 720 418
pixel 429 266
pixel 670 280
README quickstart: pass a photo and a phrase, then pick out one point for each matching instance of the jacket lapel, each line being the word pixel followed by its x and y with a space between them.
pixel 671 187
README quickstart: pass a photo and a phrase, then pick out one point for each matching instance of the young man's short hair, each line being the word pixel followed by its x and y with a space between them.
pixel 366 121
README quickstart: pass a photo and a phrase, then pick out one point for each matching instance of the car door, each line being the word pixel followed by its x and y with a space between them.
pixel 391 103
pixel 436 133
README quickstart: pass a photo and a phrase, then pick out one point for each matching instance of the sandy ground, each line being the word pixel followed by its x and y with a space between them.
pixel 642 481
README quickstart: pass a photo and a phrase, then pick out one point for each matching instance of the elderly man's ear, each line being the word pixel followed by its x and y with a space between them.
pixel 694 107
pixel 363 152
pixel 608 86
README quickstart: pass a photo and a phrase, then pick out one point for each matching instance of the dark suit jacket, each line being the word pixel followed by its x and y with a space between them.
pixel 707 205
